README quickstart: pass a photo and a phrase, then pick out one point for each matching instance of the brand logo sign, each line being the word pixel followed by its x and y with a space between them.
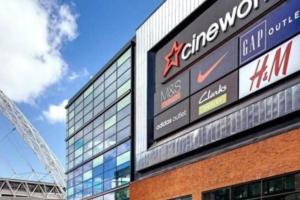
pixel 215 66
pixel 215 96
pixel 208 30
pixel 276 27
pixel 271 67
pixel 172 119
pixel 171 93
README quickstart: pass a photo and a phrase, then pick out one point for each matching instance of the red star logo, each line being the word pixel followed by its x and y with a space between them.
pixel 175 51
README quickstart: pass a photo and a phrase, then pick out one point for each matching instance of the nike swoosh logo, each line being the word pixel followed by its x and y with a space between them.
pixel 202 77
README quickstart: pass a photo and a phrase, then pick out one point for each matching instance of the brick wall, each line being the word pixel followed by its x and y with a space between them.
pixel 270 157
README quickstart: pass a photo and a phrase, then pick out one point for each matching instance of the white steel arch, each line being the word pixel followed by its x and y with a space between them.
pixel 32 137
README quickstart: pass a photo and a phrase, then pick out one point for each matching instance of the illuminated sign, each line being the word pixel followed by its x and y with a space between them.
pixel 215 96
pixel 276 27
pixel 271 67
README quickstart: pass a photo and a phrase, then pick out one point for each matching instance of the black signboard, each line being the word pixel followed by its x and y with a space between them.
pixel 215 66
pixel 172 93
pixel 212 27
pixel 215 96
pixel 172 119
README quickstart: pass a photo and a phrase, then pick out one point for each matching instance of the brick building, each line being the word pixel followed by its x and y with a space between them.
pixel 217 101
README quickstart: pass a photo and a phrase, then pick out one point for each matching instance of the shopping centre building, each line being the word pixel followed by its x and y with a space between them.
pixel 215 104
pixel 218 100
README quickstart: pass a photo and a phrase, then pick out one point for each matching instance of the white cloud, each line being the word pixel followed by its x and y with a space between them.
pixel 75 75
pixel 31 36
pixel 56 113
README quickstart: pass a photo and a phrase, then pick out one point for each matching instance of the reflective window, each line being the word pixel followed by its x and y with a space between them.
pixel 105 103
pixel 106 130
pixel 122 194
pixel 281 188
pixel 124 88
pixel 110 86
pixel 103 173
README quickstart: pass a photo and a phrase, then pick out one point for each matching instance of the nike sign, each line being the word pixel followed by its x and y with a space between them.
pixel 215 66
pixel 202 77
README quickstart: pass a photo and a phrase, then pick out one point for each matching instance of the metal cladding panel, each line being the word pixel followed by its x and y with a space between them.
pixel 236 121
pixel 165 19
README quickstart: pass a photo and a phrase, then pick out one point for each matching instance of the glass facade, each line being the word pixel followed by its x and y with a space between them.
pixel 99 135
pixel 278 188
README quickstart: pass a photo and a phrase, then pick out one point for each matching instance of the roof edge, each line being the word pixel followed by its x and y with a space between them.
pixel 130 43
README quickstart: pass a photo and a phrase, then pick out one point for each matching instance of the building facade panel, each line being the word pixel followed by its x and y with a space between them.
pixel 148 35
pixel 99 133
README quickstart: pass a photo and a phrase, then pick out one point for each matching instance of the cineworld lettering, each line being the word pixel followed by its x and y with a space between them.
pixel 222 25
pixel 271 67
pixel 275 28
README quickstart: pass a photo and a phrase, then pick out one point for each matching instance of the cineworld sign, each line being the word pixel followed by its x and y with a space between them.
pixel 202 35
pixel 275 65
pixel 278 26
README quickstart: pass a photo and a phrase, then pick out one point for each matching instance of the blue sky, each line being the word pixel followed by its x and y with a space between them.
pixel 84 35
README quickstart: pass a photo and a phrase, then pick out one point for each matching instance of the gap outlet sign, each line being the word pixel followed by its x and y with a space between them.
pixel 270 68
pixel 276 27
pixel 215 66
pixel 215 96
pixel 213 26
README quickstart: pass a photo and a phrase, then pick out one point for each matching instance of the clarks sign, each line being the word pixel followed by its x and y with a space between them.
pixel 208 30
pixel 215 96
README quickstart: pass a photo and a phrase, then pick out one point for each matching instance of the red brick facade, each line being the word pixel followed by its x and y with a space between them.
pixel 273 156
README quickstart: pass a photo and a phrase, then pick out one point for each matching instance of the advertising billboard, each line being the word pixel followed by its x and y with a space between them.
pixel 215 96
pixel 172 93
pixel 178 73
pixel 203 74
pixel 215 66
pixel 270 31
pixel 171 120
pixel 271 67
pixel 221 21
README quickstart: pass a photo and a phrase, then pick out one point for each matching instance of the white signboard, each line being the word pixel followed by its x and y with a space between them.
pixel 273 66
